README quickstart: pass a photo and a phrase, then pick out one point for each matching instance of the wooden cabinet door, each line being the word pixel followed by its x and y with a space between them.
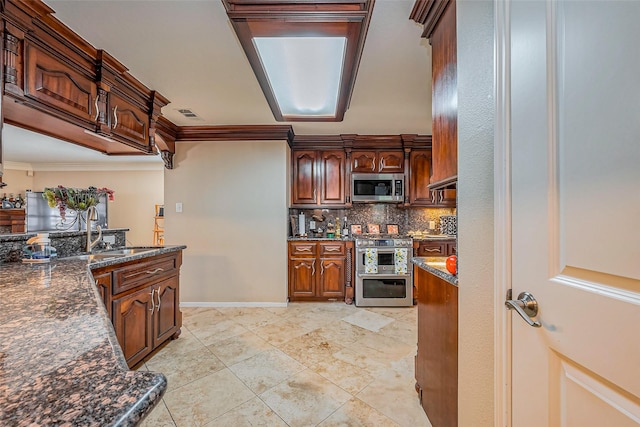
pixel 128 121
pixel 68 93
pixel 391 161
pixel 304 177
pixel 332 177
pixel 132 321
pixel 302 277
pixel 103 283
pixel 332 278
pixel 419 193
pixel 167 310
pixel 364 161
pixel 452 248
pixel 444 89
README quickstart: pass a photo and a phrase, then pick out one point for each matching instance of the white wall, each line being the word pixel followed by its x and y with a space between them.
pixel 234 221
pixel 475 213
pixel 136 193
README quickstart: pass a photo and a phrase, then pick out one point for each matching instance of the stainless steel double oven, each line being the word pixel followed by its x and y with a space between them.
pixel 384 272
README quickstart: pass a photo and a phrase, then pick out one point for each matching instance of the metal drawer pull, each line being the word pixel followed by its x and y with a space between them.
pixel 330 249
pixel 304 249
pixel 322 269
pixel 153 304
pixel 143 272
pixel 313 268
pixel 115 117
pixel 526 306
pixel 97 110
pixel 158 293
pixel 431 250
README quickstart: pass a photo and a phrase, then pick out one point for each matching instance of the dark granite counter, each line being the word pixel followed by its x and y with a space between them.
pixel 60 362
pixel 320 239
pixel 436 266
pixel 429 238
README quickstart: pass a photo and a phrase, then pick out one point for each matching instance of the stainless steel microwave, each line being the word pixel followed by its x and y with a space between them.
pixel 382 187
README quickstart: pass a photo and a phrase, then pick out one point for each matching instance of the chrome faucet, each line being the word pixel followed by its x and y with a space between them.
pixel 92 215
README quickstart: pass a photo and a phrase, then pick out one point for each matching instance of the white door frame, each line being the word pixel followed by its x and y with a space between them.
pixel 502 213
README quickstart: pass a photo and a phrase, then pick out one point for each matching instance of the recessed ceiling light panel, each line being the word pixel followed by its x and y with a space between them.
pixel 304 72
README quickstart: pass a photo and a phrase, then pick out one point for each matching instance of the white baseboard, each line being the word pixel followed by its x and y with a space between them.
pixel 233 304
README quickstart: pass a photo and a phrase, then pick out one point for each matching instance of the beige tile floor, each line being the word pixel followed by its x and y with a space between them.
pixel 309 364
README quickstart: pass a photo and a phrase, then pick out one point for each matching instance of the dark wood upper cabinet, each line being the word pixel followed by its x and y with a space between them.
pixel 318 178
pixel 363 161
pixel 304 177
pixel 388 161
pixel 439 19
pixel 57 84
pixel 128 121
pixel 332 177
pixel 391 161
pixel 420 193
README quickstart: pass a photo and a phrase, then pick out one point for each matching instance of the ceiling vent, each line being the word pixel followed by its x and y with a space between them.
pixel 188 113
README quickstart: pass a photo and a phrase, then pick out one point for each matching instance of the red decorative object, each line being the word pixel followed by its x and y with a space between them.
pixel 452 264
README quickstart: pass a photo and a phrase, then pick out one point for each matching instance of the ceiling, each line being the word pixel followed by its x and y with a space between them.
pixel 188 51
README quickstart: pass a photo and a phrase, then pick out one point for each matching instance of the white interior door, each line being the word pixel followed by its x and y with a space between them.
pixel 575 105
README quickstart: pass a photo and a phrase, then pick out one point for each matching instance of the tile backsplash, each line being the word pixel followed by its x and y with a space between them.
pixel 382 214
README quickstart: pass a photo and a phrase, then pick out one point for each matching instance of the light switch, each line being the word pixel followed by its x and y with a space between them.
pixel 179 207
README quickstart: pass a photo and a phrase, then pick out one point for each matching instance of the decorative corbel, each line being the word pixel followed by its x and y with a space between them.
pixel 167 158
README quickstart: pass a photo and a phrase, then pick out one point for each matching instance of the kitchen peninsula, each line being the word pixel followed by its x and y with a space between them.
pixel 437 356
pixel 61 360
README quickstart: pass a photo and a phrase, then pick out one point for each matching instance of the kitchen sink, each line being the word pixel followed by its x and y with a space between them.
pixel 112 254
pixel 125 251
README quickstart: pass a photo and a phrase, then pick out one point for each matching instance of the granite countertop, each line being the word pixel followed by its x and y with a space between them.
pixel 323 239
pixel 60 361
pixel 433 237
pixel 436 265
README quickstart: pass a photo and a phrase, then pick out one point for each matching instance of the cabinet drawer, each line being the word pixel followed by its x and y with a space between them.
pixel 303 249
pixel 328 250
pixel 149 271
pixel 432 249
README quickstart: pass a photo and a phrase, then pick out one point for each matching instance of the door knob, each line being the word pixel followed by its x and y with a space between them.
pixel 526 306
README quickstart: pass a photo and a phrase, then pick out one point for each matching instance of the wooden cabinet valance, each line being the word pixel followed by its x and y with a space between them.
pixel 57 84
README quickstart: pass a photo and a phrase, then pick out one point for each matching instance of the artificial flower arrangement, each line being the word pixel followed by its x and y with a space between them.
pixel 78 199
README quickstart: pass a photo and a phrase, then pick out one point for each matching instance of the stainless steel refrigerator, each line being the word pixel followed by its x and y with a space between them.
pixel 40 217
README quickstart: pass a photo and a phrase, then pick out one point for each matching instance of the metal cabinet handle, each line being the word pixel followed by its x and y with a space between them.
pixel 331 249
pixel 431 250
pixel 97 110
pixel 314 194
pixel 115 117
pixel 322 269
pixel 526 306
pixel 304 249
pixel 313 268
pixel 153 303
pixel 381 166
pixel 154 271
pixel 158 294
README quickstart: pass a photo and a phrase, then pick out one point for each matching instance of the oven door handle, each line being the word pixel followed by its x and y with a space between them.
pixel 382 275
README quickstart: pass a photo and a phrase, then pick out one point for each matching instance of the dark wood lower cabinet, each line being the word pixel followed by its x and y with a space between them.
pixel 132 321
pixel 437 358
pixel 318 270
pixel 143 300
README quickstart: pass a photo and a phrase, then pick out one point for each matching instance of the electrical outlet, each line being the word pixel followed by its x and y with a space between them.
pixel 179 207
pixel 109 239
